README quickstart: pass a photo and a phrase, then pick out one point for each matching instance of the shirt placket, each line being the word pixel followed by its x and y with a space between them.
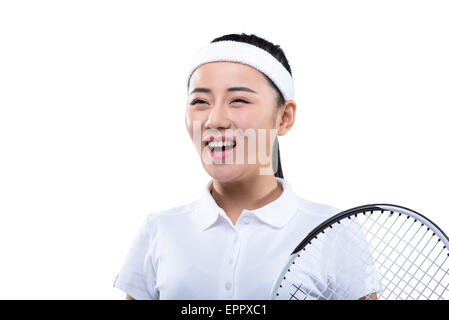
pixel 230 261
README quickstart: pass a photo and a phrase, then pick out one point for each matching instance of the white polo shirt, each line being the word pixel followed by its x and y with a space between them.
pixel 193 251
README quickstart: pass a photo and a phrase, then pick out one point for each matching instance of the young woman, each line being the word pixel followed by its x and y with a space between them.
pixel 234 240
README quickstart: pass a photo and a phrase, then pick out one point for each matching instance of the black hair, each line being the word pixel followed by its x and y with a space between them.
pixel 278 53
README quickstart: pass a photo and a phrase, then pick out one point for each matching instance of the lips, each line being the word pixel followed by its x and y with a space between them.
pixel 215 143
pixel 220 146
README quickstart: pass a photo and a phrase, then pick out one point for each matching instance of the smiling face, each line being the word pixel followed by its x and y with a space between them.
pixel 232 105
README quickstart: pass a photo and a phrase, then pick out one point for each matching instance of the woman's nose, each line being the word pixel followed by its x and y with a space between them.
pixel 218 118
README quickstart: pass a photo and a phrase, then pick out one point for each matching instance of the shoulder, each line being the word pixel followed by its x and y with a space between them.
pixel 315 209
pixel 313 214
pixel 169 215
pixel 310 214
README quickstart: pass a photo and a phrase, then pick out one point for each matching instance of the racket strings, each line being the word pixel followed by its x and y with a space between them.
pixel 389 243
pixel 317 258
pixel 367 254
pixel 420 249
pixel 421 254
pixel 321 293
pixel 355 244
pixel 380 251
pixel 445 288
pixel 425 258
pixel 433 276
pixel 299 276
pixel 418 268
pixel 395 264
pixel 406 263
pixel 438 268
pixel 400 238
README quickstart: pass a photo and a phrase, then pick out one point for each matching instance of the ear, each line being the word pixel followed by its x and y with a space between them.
pixel 287 117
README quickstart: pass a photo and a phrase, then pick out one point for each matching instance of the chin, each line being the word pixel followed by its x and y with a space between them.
pixel 223 172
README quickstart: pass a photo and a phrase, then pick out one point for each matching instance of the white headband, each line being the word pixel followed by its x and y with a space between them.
pixel 249 54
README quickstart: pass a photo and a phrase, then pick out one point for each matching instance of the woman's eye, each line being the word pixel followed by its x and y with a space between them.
pixel 197 101
pixel 240 100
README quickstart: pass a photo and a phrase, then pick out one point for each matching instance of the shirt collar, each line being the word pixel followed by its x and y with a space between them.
pixel 276 213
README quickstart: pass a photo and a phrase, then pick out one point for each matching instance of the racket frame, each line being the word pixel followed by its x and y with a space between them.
pixel 383 207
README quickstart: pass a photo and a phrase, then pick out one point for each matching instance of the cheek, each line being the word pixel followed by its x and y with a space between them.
pixel 263 123
pixel 260 123
pixel 247 119
pixel 192 116
pixel 253 119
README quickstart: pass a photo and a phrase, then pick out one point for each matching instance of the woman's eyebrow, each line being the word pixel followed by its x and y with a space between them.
pixel 206 90
pixel 200 90
pixel 241 89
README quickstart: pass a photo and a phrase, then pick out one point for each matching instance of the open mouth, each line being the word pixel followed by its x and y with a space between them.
pixel 220 147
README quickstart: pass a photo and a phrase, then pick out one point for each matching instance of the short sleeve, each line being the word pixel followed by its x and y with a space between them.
pixel 136 275
pixel 353 269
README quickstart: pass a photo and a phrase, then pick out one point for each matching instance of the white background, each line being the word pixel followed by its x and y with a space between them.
pixel 92 135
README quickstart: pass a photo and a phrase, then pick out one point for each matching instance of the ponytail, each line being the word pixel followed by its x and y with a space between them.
pixel 277 167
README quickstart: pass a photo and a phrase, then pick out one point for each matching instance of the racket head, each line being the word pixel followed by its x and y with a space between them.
pixel 386 249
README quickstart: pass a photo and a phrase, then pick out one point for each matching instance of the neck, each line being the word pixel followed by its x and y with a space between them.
pixel 250 193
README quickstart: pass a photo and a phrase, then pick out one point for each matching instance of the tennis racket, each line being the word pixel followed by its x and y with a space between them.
pixel 376 251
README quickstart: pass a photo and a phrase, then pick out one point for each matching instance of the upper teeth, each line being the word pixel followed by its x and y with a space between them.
pixel 220 144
